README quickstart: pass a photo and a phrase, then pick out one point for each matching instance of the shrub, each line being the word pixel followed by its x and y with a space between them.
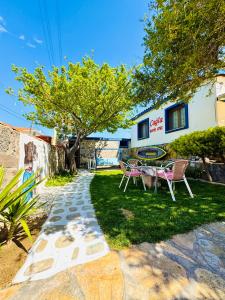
pixel 204 144
pixel 14 207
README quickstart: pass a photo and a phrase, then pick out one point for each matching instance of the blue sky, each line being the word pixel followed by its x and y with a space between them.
pixel 113 29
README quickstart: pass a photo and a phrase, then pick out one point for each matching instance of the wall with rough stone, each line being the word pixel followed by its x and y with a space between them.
pixel 9 151
pixel 19 150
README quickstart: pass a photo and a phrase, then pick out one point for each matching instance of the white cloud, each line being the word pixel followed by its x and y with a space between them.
pixel 38 41
pixel 22 37
pixel 30 45
pixel 2 29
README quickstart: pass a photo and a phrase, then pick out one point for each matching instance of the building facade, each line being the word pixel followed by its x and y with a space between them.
pixel 105 152
pixel 161 126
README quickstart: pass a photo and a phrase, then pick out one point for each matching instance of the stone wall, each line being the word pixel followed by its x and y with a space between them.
pixel 9 151
pixel 19 150
pixel 217 171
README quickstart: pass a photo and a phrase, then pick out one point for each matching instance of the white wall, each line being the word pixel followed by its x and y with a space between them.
pixel 220 85
pixel 41 160
pixel 201 115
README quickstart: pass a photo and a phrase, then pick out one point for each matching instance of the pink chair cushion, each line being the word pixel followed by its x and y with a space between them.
pixel 133 173
pixel 167 175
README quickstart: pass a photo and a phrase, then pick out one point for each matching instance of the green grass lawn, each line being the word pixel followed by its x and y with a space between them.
pixel 60 180
pixel 137 216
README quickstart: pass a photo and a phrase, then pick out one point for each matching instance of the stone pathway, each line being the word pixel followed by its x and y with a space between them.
pixel 187 267
pixel 70 236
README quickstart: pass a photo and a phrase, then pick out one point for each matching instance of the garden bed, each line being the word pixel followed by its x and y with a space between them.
pixel 13 254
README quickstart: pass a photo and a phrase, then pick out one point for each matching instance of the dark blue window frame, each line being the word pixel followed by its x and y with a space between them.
pixel 145 121
pixel 168 109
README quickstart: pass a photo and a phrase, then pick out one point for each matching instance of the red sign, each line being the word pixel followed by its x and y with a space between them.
pixel 154 124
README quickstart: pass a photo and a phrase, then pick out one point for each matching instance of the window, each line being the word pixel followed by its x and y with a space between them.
pixel 176 117
pixel 124 143
pixel 143 129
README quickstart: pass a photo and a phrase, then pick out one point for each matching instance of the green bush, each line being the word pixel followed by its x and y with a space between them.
pixel 204 144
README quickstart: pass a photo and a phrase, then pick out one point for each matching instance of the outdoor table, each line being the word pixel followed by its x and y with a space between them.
pixel 151 171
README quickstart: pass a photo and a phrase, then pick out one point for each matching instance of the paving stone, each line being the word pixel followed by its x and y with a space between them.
pixel 54 228
pixel 92 223
pixel 86 207
pixel 74 227
pixel 57 205
pixel 90 214
pixel 80 202
pixel 41 246
pixel 77 193
pixel 39 266
pixel 55 219
pixel 64 241
pixel 102 279
pixel 149 274
pixel 73 216
pixel 58 211
pixel 72 209
pixel 68 203
pixel 75 253
pixel 70 197
pixel 90 237
pixel 93 249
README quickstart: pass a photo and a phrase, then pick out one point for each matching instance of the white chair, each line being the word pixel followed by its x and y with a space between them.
pixel 176 174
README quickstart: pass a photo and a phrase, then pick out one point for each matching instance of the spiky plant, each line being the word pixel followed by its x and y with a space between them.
pixel 14 206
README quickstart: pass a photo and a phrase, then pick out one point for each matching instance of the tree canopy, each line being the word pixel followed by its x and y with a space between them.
pixel 81 98
pixel 184 47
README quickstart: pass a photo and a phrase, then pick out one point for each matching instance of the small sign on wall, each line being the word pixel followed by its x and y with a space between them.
pixel 151 153
pixel 156 125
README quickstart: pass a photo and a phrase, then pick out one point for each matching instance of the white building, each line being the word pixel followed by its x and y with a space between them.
pixel 161 126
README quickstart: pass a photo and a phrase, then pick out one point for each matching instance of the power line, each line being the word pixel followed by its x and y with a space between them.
pixel 45 34
pixel 11 112
pixel 58 23
pixel 48 27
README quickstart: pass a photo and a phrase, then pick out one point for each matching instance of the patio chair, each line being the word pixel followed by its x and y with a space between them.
pixel 176 174
pixel 128 172
pixel 134 162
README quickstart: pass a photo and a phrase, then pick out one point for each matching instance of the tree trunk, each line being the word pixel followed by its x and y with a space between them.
pixel 206 169
pixel 72 162
pixel 72 152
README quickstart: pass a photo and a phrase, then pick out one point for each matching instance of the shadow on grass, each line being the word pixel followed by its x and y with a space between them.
pixel 153 217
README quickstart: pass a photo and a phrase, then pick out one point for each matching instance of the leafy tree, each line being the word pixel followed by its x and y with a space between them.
pixel 215 140
pixel 184 48
pixel 205 144
pixel 79 99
